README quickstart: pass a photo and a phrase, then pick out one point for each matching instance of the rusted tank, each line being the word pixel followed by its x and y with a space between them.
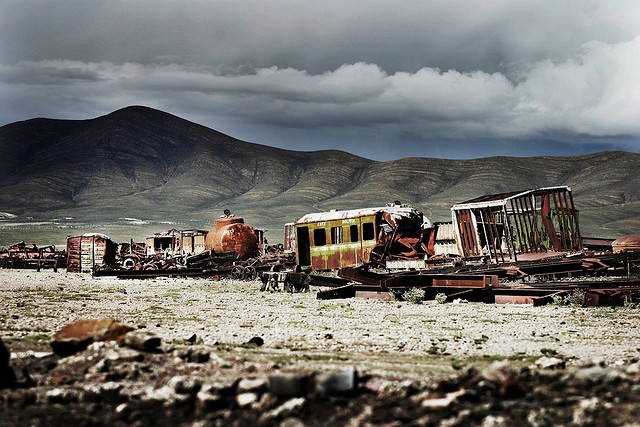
pixel 629 242
pixel 232 234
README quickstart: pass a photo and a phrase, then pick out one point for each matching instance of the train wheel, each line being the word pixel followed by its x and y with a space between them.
pixel 250 273
pixel 129 263
pixel 237 272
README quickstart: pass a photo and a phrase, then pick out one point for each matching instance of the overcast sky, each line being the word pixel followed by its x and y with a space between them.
pixel 381 79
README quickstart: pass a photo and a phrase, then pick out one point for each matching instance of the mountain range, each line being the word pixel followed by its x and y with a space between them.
pixel 144 164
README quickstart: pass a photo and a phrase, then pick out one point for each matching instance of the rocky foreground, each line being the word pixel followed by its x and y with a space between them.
pixel 196 352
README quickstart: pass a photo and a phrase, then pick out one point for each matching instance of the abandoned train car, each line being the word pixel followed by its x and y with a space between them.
pixel 349 238
pixel 176 242
pixel 89 250
pixel 497 228
pixel 519 224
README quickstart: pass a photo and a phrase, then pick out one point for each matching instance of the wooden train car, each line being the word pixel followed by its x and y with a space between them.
pixel 89 250
pixel 511 226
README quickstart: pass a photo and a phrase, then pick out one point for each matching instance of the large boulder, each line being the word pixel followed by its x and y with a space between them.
pixel 76 336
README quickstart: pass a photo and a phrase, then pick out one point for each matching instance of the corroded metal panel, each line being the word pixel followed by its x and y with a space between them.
pixel 89 250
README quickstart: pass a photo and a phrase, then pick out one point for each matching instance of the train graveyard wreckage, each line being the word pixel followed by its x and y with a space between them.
pixel 230 249
pixel 21 255
pixel 518 247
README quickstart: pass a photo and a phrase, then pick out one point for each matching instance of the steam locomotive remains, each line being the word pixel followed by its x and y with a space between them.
pixel 519 247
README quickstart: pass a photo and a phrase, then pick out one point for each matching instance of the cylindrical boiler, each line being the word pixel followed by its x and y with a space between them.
pixel 630 242
pixel 232 234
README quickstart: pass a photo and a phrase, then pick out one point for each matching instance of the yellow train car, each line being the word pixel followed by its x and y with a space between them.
pixel 350 238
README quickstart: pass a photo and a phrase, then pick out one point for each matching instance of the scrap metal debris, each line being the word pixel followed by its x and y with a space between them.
pixel 21 255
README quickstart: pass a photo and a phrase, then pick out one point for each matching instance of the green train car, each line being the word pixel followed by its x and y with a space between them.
pixel 350 238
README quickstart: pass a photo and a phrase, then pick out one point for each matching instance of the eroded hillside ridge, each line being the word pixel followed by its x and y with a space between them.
pixel 141 162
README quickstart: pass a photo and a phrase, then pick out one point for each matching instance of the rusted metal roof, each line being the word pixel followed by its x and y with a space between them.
pixel 399 210
pixel 628 242
pixel 502 198
pixel 100 235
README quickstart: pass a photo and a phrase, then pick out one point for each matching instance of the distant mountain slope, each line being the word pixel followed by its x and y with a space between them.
pixel 143 163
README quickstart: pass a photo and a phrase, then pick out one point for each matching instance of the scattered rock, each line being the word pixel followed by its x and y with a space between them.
pixel 246 399
pixel 5 355
pixel 76 336
pixel 257 341
pixel 193 355
pixel 550 363
pixel 287 384
pixel 184 385
pixel 336 382
pixel 442 402
pixel 287 408
pixel 142 340
pixel 591 374
pixel 252 384
pixel 208 401
pixel 11 377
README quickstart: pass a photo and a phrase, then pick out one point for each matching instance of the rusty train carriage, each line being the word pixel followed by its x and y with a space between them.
pixel 504 225
pixel 88 250
pixel 337 239
pixel 174 242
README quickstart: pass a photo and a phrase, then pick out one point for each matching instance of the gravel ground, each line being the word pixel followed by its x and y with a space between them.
pixel 352 362
pixel 389 335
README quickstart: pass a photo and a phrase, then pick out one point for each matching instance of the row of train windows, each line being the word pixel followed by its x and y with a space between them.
pixel 343 234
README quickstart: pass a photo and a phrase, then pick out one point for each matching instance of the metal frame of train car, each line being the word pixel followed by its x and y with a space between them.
pixel 504 225
pixel 349 238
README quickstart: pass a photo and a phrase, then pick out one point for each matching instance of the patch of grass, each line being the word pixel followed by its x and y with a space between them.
pixel 293 358
pixel 414 295
pixel 189 319
pixel 49 293
pixel 80 297
pixel 393 318
pixel 114 289
pixel 37 338
pixel 549 352
pixel 576 298
pixel 518 359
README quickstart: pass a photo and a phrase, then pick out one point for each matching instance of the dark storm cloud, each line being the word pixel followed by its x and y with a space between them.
pixel 376 78
pixel 25 73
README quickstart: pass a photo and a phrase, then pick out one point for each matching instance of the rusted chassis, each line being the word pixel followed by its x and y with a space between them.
pixel 20 255
pixel 534 283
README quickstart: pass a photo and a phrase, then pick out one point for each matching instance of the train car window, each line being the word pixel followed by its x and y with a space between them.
pixel 319 237
pixel 336 235
pixel 353 231
pixel 367 231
